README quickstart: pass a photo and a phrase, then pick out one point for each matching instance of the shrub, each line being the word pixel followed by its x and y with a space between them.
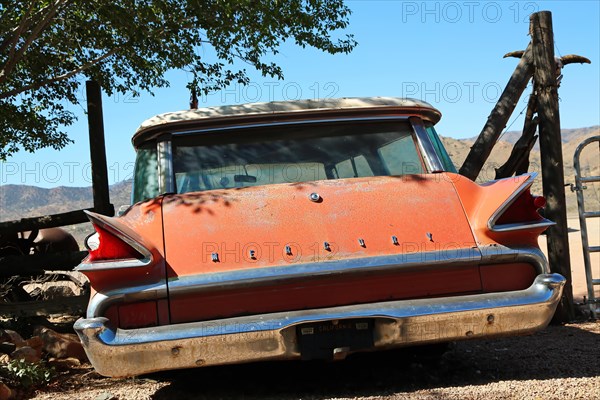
pixel 24 374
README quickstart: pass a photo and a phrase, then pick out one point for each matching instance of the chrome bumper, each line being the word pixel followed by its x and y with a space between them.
pixel 119 353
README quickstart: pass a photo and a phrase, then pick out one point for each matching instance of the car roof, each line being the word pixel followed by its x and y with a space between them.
pixel 243 113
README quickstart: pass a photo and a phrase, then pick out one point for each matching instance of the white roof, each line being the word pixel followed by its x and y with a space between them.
pixel 276 107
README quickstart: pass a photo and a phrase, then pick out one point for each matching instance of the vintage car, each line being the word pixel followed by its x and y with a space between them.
pixel 307 230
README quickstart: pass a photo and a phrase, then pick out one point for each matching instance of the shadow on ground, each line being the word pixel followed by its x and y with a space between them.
pixel 557 352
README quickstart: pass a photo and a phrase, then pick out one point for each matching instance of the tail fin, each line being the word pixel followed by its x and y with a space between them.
pixel 503 211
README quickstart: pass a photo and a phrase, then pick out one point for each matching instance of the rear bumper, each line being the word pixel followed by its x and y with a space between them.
pixel 118 353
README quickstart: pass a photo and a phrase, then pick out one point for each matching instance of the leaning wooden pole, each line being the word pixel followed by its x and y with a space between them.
pixel 553 179
pixel 499 116
pixel 518 161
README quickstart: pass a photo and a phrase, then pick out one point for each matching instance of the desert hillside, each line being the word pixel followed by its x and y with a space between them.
pixel 571 138
pixel 22 201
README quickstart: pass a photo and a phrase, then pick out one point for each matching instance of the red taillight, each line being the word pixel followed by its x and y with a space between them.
pixel 539 202
pixel 523 209
pixel 112 248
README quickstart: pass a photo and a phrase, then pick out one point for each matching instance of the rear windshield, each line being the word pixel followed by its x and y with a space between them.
pixel 294 153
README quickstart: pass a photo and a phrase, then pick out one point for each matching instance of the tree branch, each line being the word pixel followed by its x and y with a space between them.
pixel 62 77
pixel 14 58
pixel 12 41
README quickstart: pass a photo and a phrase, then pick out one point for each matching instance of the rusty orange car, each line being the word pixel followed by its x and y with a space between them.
pixel 307 230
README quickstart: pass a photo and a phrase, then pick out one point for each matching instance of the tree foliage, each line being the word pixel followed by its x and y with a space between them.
pixel 48 47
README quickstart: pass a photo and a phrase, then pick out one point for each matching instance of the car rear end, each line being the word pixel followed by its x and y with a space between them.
pixel 306 235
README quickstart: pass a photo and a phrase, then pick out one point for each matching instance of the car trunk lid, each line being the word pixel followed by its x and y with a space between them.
pixel 347 238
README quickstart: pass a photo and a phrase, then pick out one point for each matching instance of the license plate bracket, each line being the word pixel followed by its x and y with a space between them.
pixel 318 340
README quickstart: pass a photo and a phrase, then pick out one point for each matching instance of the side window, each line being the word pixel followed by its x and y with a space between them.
pixel 145 179
pixel 440 149
pixel 401 158
pixel 353 168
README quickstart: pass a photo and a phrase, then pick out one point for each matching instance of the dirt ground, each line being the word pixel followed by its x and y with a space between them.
pixel 561 362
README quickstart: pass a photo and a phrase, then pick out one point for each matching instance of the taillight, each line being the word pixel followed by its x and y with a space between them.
pixel 523 209
pixel 539 202
pixel 111 247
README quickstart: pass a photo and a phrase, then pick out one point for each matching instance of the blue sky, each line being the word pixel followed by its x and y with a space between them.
pixel 448 53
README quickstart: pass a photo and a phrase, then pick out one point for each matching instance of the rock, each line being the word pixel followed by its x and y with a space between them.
pixel 106 396
pixel 6 335
pixel 36 343
pixel 63 364
pixel 26 353
pixel 57 292
pixel 61 345
pixel 7 347
pixel 5 392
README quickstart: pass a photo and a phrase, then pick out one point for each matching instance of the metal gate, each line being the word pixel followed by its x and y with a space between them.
pixel 580 181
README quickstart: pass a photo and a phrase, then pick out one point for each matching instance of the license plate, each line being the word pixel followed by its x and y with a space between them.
pixel 319 340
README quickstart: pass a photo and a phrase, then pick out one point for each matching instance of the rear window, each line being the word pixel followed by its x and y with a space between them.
pixel 294 153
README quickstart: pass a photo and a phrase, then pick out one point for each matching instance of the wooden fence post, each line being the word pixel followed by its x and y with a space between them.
pixel 98 149
pixel 553 179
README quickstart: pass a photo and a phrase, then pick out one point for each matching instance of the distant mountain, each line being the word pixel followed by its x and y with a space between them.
pixel 21 201
pixel 567 135
pixel 571 138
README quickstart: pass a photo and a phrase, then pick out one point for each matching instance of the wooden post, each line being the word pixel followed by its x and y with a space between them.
pixel 499 117
pixel 97 149
pixel 553 179
pixel 47 221
pixel 36 264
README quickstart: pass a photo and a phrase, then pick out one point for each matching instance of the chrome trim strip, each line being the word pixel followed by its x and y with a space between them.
pixel 166 181
pixel 119 353
pixel 544 223
pixel 432 159
pixel 101 301
pixel 253 277
pixel 105 265
pixel 286 123
pixel 261 276
pixel 498 254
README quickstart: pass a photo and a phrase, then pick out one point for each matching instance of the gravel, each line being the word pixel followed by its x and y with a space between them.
pixel 561 362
